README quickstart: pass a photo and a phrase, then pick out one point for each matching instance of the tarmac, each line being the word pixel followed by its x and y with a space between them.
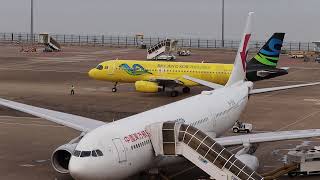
pixel 44 80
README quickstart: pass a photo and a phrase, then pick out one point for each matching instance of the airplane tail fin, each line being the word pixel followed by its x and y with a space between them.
pixel 268 55
pixel 239 68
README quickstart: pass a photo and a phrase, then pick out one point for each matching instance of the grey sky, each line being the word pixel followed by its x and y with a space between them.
pixel 196 18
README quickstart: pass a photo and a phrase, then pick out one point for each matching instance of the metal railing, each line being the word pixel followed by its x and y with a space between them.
pixel 127 41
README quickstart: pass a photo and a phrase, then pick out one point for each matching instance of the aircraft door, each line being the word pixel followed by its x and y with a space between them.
pixel 112 68
pixel 120 149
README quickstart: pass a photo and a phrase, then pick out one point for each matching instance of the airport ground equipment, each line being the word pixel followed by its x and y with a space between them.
pixel 317 48
pixel 163 50
pixel 308 161
pixel 49 42
pixel 242 127
pixel 296 54
pixel 280 171
pixel 140 41
pixel 176 139
pixel 184 52
pixel 317 59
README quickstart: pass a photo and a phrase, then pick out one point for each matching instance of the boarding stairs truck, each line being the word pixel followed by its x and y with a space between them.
pixel 162 50
pixel 49 42
pixel 176 139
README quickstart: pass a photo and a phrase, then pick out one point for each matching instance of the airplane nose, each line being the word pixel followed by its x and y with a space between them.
pixel 77 169
pixel 91 73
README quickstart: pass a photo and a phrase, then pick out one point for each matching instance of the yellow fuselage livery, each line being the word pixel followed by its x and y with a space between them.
pixel 130 71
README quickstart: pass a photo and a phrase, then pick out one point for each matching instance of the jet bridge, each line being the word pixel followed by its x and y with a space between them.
pixel 175 139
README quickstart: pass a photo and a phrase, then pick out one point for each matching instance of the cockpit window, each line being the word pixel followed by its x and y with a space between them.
pixel 76 153
pixel 99 152
pixel 85 153
pixel 93 153
pixel 99 67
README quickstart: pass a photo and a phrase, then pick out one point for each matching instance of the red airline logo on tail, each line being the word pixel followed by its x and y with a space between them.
pixel 244 52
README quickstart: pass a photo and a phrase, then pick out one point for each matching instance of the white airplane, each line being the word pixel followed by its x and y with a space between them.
pixel 124 148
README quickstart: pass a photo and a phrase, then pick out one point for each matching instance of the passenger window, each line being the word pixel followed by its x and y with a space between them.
pixel 99 153
pixel 107 67
pixel 76 153
pixel 85 153
pixel 94 154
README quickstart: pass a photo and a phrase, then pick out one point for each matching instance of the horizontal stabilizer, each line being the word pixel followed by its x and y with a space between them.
pixel 203 82
pixel 285 68
pixel 264 90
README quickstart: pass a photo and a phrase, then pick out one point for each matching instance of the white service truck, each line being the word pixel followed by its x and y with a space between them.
pixel 242 127
pixel 308 161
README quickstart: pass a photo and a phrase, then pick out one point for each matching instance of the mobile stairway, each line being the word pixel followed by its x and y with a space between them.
pixel 167 45
pixel 281 171
pixel 50 43
pixel 176 139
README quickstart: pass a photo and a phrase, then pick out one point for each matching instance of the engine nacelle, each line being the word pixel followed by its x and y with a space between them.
pixel 249 160
pixel 61 156
pixel 146 86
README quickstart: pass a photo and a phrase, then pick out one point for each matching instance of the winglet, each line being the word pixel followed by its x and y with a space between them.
pixel 239 67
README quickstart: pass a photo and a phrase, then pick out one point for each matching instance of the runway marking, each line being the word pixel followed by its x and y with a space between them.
pixel 40 121
pixel 27 165
pixel 304 68
pixel 299 120
pixel 18 117
pixel 32 124
pixel 42 160
pixel 43 70
pixel 316 101
pixel 289 81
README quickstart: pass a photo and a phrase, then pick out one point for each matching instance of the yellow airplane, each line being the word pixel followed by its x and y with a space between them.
pixel 156 76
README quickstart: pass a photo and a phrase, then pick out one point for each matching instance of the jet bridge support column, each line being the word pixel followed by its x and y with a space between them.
pixel 175 139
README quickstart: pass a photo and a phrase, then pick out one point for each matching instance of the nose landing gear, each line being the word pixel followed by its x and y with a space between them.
pixel 114 89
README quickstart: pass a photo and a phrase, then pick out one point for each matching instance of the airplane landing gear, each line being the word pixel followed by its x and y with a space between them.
pixel 186 90
pixel 174 93
pixel 114 89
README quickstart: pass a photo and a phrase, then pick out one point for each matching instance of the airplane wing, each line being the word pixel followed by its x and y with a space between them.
pixel 202 82
pixel 166 81
pixel 73 121
pixel 268 137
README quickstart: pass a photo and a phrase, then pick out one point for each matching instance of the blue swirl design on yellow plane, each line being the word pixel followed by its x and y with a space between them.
pixel 136 69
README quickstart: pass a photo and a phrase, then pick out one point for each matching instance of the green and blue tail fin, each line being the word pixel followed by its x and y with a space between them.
pixel 268 55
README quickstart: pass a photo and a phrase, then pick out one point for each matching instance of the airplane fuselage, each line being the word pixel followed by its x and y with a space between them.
pixel 130 71
pixel 127 146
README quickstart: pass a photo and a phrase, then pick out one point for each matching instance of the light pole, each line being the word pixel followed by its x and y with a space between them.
pixel 31 23
pixel 222 24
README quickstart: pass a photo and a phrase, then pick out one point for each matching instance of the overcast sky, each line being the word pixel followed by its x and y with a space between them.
pixel 196 18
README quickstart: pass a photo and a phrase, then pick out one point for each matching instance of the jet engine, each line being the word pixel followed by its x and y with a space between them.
pixel 146 86
pixel 61 156
pixel 249 160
